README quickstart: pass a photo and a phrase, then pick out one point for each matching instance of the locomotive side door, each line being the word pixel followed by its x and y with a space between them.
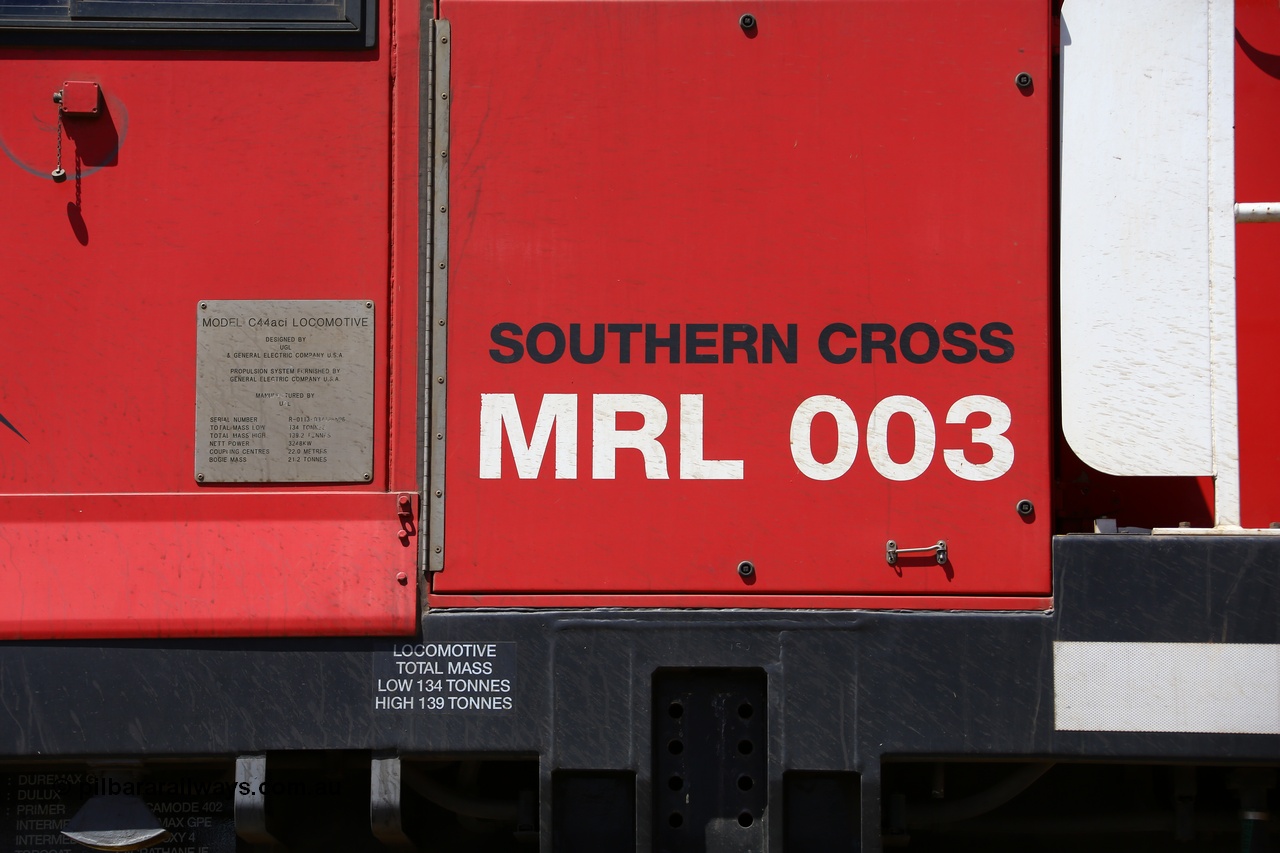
pixel 744 301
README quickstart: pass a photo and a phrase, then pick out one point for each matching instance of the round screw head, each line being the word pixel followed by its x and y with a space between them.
pixel 199 478
pixel 1025 507
pixel 402 578
pixel 746 568
pixel 747 22
pixel 1023 80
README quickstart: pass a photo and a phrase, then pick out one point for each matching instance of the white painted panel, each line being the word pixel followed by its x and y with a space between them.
pixel 1136 321
pixel 1217 688
pixel 1222 260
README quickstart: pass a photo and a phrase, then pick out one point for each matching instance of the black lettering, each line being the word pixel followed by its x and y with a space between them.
pixel 575 344
pixel 930 353
pixel 968 349
pixel 787 348
pixel 747 344
pixel 871 343
pixel 693 343
pixel 532 342
pixel 1005 347
pixel 624 331
pixel 824 343
pixel 652 343
pixel 499 336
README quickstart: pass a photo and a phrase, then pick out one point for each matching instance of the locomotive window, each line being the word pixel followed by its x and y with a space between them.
pixel 190 23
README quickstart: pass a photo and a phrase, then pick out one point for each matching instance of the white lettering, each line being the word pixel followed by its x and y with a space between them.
pixel 991 435
pixel 692 465
pixel 802 437
pixel 607 439
pixel 878 438
pixel 499 413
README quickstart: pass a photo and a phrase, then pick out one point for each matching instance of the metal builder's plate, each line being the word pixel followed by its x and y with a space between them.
pixel 284 391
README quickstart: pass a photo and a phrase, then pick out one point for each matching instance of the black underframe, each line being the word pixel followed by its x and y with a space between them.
pixel 845 689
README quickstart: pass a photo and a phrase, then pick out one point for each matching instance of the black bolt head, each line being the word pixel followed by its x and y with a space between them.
pixel 1023 80
pixel 747 22
pixel 746 568
pixel 1025 507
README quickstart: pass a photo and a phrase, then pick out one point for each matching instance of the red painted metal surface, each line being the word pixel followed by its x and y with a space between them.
pixel 1258 258
pixel 204 565
pixel 277 183
pixel 78 97
pixel 403 427
pixel 1084 495
pixel 838 163
pixel 788 602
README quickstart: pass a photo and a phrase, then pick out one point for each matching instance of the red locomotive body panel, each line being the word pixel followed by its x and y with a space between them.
pixel 204 176
pixel 770 292
pixel 1257 258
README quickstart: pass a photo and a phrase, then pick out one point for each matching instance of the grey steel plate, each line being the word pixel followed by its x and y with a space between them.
pixel 284 391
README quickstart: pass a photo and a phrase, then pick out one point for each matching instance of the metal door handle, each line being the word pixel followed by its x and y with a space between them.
pixel 891 551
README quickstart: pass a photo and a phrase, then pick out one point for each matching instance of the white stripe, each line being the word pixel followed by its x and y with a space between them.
pixel 1216 688
pixel 1222 261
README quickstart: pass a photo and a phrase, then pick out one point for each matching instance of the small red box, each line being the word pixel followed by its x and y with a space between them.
pixel 80 98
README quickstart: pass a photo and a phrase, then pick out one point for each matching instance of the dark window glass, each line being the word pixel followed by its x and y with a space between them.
pixel 232 23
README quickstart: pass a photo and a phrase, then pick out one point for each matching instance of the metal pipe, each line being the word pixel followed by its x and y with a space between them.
pixel 1258 211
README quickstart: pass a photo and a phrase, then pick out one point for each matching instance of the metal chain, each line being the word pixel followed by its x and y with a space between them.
pixel 59 174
